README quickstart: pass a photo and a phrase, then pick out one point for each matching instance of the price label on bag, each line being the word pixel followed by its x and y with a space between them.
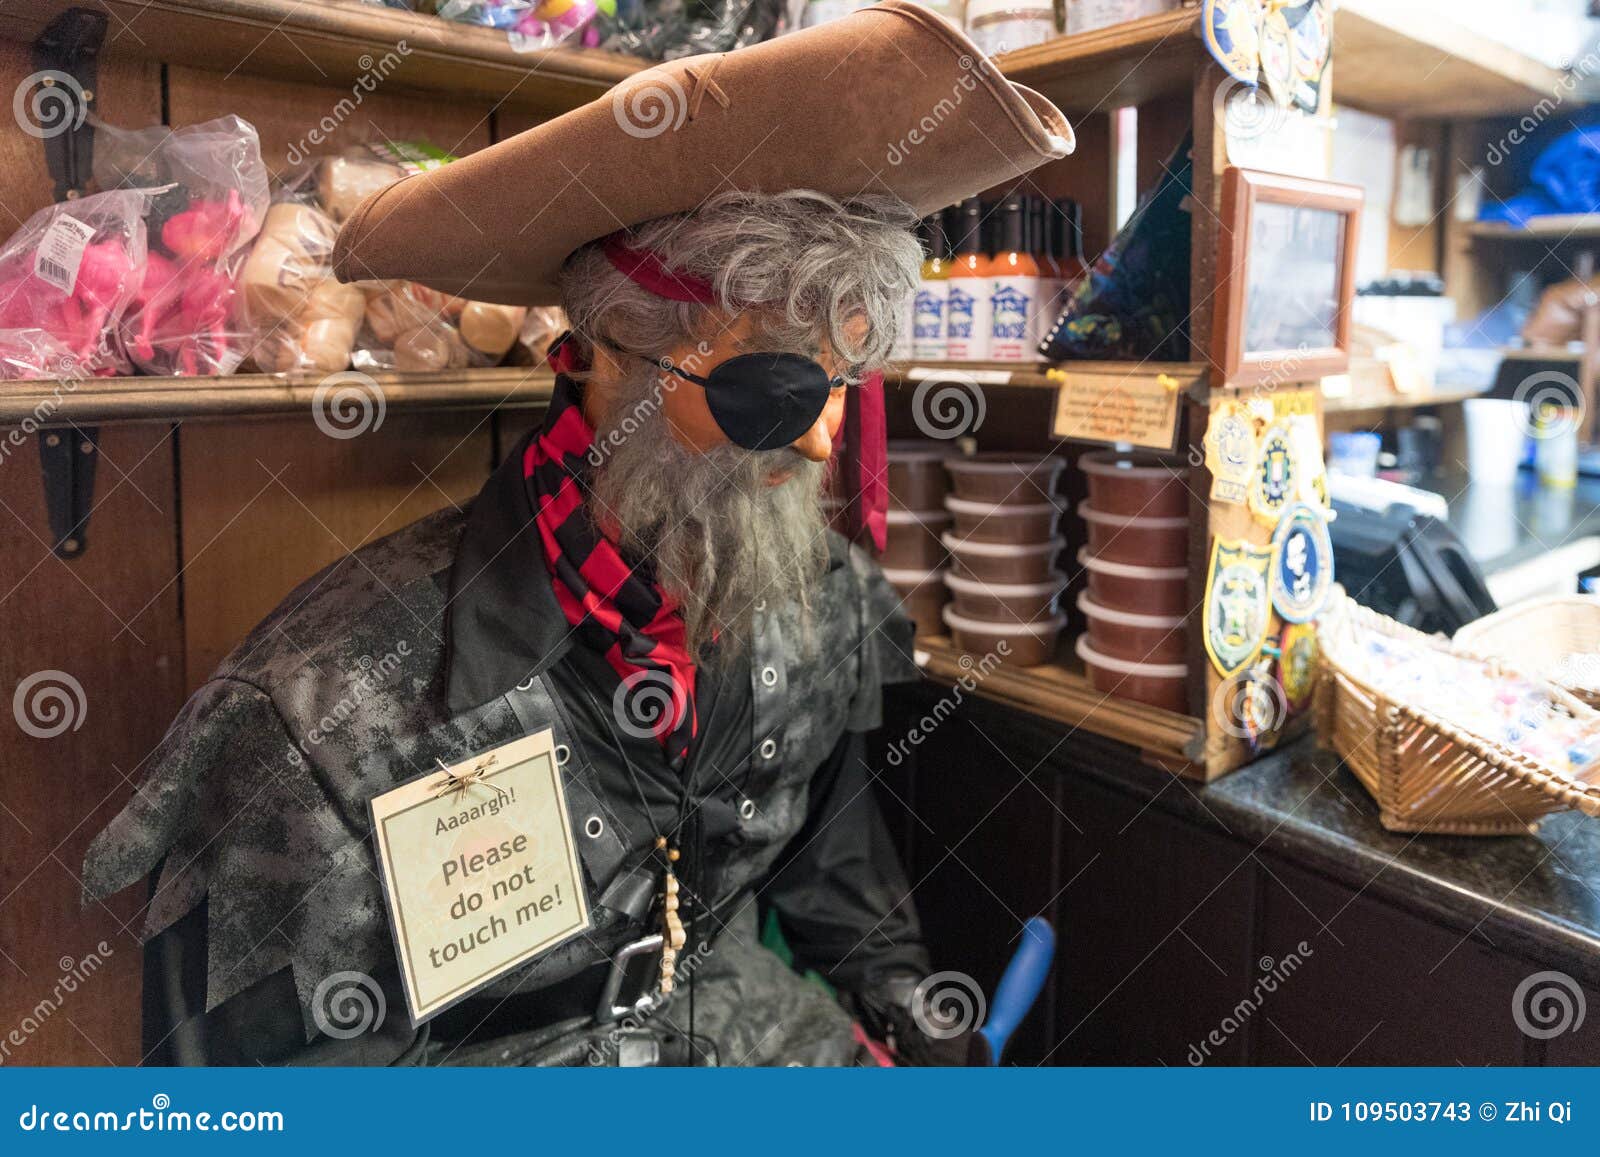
pixel 60 252
pixel 480 870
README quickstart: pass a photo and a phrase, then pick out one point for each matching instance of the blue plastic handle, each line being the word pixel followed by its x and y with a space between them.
pixel 1020 984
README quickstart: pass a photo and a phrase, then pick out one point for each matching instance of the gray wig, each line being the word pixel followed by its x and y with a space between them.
pixel 804 262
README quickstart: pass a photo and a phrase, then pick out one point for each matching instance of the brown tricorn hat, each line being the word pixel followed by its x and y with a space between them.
pixel 890 99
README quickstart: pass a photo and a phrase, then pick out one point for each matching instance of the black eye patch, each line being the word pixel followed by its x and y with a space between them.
pixel 763 401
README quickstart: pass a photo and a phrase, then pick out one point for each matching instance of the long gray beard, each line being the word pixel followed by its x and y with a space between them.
pixel 719 537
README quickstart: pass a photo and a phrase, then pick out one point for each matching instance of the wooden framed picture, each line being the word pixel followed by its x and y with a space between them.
pixel 1286 271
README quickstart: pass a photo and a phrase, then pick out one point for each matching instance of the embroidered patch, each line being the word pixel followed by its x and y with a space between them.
pixel 1237 606
pixel 1302 563
pixel 1297 663
pixel 1230 450
pixel 1275 481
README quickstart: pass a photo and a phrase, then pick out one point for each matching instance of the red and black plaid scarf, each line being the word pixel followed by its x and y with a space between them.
pixel 618 610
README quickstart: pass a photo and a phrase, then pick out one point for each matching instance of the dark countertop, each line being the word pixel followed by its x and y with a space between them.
pixel 1504 526
pixel 1534 895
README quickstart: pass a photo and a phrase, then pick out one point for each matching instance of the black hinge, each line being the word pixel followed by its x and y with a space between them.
pixel 54 105
pixel 67 458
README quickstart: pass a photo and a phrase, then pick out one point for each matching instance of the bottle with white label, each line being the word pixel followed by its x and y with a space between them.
pixel 968 305
pixel 933 294
pixel 1013 286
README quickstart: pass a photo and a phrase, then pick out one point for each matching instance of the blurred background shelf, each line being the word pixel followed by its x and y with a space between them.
pixel 1555 228
pixel 338 42
pixel 1375 403
pixel 1061 692
pixel 94 401
pixel 1130 63
pixel 1036 373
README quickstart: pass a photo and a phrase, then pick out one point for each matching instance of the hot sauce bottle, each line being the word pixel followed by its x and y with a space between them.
pixel 967 311
pixel 1013 286
pixel 1069 245
pixel 1050 273
pixel 933 294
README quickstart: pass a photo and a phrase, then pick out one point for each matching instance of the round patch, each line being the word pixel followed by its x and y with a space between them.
pixel 1297 663
pixel 1302 564
pixel 1277 474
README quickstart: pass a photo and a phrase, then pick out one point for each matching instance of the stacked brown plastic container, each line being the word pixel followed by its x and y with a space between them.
pixel 1004 545
pixel 914 558
pixel 1136 598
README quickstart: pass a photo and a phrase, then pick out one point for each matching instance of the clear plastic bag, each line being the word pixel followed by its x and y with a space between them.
pixel 673 28
pixel 533 25
pixel 414 329
pixel 68 277
pixel 209 197
pixel 303 319
pixel 33 353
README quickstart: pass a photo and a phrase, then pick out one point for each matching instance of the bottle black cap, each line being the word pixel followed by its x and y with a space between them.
pixel 936 241
pixel 969 227
pixel 1013 216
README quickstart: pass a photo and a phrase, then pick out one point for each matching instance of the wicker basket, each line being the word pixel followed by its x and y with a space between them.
pixel 1426 775
pixel 1557 639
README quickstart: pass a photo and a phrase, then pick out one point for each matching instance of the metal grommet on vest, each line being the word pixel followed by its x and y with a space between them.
pixel 769 676
pixel 593 827
pixel 563 753
pixel 747 809
pixel 527 684
pixel 769 748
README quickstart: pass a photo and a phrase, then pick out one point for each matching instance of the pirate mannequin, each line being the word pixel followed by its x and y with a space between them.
pixel 647 575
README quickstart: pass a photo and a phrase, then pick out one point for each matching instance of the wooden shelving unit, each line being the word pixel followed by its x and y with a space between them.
pixel 1374 403
pixel 1385 61
pixel 335 43
pixel 1544 230
pixel 1395 62
pixel 1037 374
pixel 95 401
pixel 1060 691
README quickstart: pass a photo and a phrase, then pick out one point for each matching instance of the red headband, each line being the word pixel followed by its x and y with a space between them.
pixel 645 270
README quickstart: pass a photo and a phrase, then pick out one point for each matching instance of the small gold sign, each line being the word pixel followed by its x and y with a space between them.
pixel 1138 408
pixel 480 870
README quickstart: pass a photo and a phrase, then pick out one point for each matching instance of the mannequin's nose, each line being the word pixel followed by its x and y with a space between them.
pixel 816 444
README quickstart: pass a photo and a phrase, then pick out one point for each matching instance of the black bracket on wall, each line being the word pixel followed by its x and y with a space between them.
pixel 55 106
pixel 67 458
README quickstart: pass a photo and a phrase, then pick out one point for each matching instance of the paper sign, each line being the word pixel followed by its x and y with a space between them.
pixel 480 870
pixel 1140 409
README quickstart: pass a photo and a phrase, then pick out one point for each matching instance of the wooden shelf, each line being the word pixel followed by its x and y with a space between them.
pixel 1547 230
pixel 1416 65
pixel 1384 61
pixel 1370 403
pixel 94 401
pixel 338 42
pixel 1131 63
pixel 1036 374
pixel 1061 692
